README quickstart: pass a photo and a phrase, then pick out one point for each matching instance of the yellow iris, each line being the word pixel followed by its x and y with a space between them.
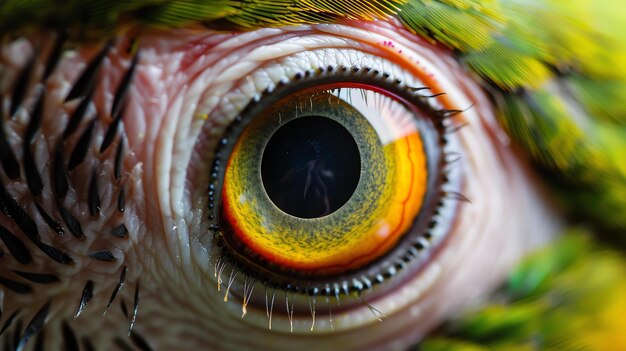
pixel 387 199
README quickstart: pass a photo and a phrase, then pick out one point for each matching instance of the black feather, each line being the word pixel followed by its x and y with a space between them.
pixel 109 135
pixel 120 231
pixel 34 327
pixel 35 120
pixel 87 79
pixel 133 319
pixel 103 255
pixel 39 278
pixel 119 157
pixel 9 321
pixel 52 223
pixel 117 289
pixel 16 247
pixel 21 85
pixel 140 342
pixel 93 198
pixel 85 297
pixel 58 173
pixel 119 342
pixel 7 157
pixel 122 88
pixel 55 55
pixel 40 341
pixel 121 200
pixel 33 178
pixel 69 338
pixel 11 208
pixel 82 146
pixel 17 332
pixel 16 286
pixel 78 115
pixel 73 225
pixel 55 254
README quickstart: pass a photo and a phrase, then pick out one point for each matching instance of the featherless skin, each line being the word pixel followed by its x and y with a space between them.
pixel 551 73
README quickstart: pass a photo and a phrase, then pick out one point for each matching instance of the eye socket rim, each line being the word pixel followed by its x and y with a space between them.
pixel 408 247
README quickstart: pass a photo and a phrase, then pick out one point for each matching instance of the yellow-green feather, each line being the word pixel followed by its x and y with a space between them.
pixel 463 25
pixel 558 75
pixel 97 18
pixel 570 296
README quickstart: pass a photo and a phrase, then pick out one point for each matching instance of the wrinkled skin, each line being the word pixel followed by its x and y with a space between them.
pixel 188 85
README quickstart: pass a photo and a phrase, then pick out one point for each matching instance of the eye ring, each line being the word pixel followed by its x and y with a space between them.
pixel 408 249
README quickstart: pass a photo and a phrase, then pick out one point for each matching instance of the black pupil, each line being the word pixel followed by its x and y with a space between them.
pixel 310 167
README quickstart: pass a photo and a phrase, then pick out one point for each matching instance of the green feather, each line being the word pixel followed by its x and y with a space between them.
pixel 580 114
pixel 460 25
pixel 571 295
pixel 583 36
pixel 558 76
pixel 99 18
pixel 505 67
pixel 289 12
pixel 602 98
pixel 583 156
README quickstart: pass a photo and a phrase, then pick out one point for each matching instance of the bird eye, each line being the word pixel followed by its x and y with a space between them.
pixel 340 178
pixel 327 180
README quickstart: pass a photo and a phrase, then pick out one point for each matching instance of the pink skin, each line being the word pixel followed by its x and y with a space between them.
pixel 189 84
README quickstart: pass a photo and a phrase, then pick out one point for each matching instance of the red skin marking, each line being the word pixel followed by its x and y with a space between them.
pixel 194 49
pixel 418 69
